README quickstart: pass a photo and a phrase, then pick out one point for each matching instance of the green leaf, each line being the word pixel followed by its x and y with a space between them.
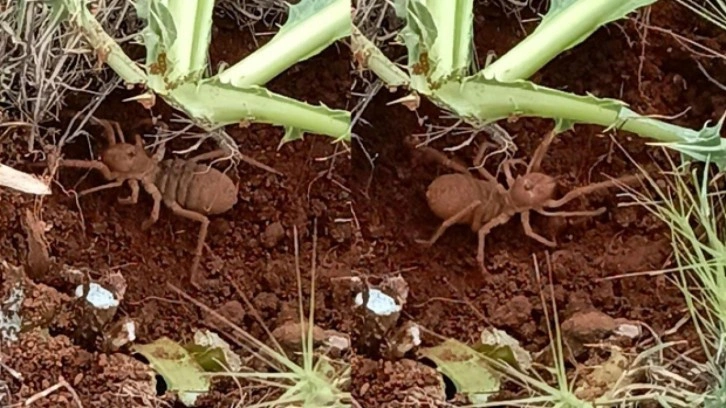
pixel 419 35
pixel 707 146
pixel 215 104
pixel 598 13
pixel 212 353
pixel 438 36
pixel 311 27
pixel 303 12
pixel 291 134
pixel 480 101
pixel 465 367
pixel 179 369
pixel 174 55
pixel 566 24
pixel 369 56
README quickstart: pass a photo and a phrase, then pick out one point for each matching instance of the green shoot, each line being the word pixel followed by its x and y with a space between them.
pixel 482 101
pixel 176 61
pixel 368 55
pixel 437 70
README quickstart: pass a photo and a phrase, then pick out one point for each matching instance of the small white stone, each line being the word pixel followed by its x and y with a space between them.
pixel 339 342
pixel 379 303
pixel 628 330
pixel 415 334
pixel 131 330
pixel 98 296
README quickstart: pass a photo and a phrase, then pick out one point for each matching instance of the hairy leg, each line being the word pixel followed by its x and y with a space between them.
pixel 507 167
pixel 479 159
pixel 539 154
pixel 483 231
pixel 215 154
pixel 156 195
pixel 586 213
pixel 581 191
pixel 88 164
pixel 108 129
pixel 201 238
pixel 530 233
pixel 134 197
pixel 462 214
pixel 113 184
pixel 436 156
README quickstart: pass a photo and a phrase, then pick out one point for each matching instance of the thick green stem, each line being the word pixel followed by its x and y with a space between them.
pixel 292 45
pixel 561 29
pixel 106 47
pixel 220 104
pixel 454 27
pixel 480 100
pixel 369 56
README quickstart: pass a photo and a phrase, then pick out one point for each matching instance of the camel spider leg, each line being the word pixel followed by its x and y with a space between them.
pixel 479 162
pixel 134 197
pixel 108 130
pixel 449 222
pixel 87 164
pixel 483 231
pixel 580 191
pixel 507 168
pixel 587 213
pixel 540 152
pixel 114 184
pixel 530 232
pixel 444 160
pixel 201 238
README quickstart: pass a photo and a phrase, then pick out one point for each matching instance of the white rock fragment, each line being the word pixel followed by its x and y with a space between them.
pixel 379 303
pixel 98 296
pixel 629 330
pixel 415 332
pixel 338 342
pixel 130 327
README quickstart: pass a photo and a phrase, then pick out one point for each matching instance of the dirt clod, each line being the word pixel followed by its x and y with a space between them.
pixel 587 328
pixel 397 384
pixel 273 234
pixel 232 311
pixel 517 311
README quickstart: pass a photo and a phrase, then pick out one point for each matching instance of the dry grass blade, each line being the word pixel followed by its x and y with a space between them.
pixel 24 182
pixel 42 62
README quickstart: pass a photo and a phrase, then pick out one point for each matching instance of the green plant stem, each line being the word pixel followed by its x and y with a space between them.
pixel 369 56
pixel 479 100
pixel 454 28
pixel 107 49
pixel 564 28
pixel 220 104
pixel 286 49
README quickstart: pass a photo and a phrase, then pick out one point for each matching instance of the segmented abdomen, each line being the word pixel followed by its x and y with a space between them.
pixel 449 194
pixel 196 187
